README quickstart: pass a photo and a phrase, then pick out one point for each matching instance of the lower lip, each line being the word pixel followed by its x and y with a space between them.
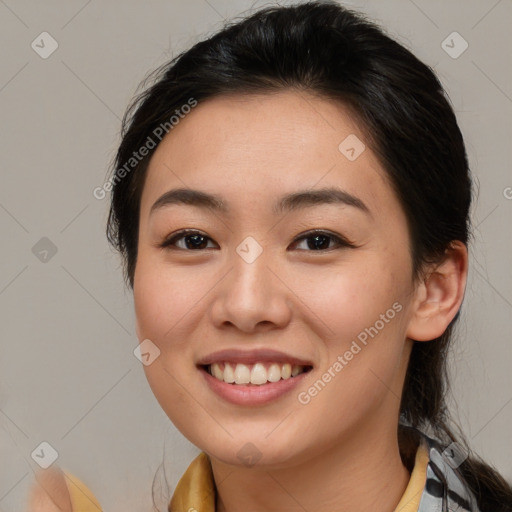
pixel 241 394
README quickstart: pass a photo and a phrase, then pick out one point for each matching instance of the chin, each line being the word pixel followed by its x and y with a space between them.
pixel 253 450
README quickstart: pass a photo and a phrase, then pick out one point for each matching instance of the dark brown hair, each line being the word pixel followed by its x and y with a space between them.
pixel 326 49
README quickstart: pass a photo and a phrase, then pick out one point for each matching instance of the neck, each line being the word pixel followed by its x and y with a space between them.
pixel 362 473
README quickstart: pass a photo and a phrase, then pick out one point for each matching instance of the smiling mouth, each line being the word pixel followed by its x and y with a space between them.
pixel 256 374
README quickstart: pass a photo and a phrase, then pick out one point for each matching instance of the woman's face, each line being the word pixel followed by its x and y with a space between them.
pixel 251 291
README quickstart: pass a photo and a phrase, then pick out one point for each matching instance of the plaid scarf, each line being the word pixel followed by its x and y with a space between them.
pixel 445 489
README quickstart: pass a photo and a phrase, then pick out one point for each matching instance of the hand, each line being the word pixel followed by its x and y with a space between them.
pixel 49 492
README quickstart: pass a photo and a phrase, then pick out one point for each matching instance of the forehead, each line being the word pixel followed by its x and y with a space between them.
pixel 253 147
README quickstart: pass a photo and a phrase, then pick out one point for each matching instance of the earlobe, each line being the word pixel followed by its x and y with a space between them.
pixel 439 296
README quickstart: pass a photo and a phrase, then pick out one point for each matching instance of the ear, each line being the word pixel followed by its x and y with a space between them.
pixel 439 295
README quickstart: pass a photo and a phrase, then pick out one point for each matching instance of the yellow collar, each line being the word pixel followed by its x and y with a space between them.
pixel 195 491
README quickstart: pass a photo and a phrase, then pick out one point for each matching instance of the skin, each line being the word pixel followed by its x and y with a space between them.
pixel 340 451
pixel 49 492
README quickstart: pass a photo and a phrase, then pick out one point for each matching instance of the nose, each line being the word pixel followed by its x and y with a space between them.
pixel 253 296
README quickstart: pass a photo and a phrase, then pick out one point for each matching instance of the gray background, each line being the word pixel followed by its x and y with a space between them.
pixel 68 375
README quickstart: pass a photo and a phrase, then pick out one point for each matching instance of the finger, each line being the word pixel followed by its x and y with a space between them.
pixel 49 493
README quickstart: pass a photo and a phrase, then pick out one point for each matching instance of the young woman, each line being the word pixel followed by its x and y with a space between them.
pixel 290 199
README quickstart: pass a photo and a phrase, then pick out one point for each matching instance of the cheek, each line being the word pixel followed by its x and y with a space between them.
pixel 163 306
pixel 348 300
pixel 165 299
pixel 363 318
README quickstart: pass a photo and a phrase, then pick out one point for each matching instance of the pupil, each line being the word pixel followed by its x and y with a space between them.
pixel 196 240
pixel 315 245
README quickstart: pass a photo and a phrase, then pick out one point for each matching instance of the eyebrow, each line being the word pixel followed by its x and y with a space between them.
pixel 294 201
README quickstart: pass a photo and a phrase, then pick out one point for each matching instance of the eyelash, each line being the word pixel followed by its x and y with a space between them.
pixel 341 241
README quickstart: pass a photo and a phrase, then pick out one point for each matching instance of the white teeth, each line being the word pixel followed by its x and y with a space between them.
pixel 229 376
pixel 217 372
pixel 242 374
pixel 274 373
pixel 257 374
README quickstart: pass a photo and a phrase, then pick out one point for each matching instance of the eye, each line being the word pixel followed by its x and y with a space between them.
pixel 320 240
pixel 195 240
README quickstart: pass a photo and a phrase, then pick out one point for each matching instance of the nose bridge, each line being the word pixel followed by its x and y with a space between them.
pixel 250 267
pixel 251 294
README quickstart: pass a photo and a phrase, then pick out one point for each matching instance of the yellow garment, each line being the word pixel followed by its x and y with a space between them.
pixel 82 499
pixel 195 491
pixel 410 500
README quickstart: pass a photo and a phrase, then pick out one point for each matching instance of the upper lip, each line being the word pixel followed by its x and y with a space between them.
pixel 251 357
